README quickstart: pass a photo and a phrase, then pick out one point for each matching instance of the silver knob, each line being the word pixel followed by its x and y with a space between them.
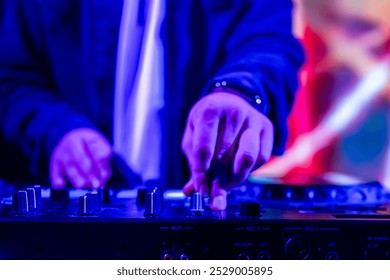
pixel 34 196
pixel 196 203
pixel 89 204
pixel 20 202
pixel 153 203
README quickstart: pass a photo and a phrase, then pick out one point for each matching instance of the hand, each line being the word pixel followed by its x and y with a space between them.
pixel 225 136
pixel 83 157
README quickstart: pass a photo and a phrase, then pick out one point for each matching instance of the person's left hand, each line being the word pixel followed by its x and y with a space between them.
pixel 224 140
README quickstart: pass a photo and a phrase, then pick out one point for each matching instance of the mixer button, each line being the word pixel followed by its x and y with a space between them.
pixel 357 196
pixel 339 195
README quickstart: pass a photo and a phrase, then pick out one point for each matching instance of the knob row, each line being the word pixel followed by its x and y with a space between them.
pixel 28 200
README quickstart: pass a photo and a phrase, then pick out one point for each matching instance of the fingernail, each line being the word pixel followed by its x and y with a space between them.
pixel 79 183
pixel 57 182
pixel 219 203
pixel 95 183
pixel 104 174
pixel 188 188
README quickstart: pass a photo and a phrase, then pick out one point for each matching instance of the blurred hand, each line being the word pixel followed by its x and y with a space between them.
pixel 83 157
pixel 224 140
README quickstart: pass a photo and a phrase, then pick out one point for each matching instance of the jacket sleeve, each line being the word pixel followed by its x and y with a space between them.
pixel 32 114
pixel 261 59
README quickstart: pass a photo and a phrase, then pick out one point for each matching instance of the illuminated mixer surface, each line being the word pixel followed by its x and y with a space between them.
pixel 325 217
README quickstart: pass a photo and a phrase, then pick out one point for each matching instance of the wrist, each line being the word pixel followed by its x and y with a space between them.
pixel 257 99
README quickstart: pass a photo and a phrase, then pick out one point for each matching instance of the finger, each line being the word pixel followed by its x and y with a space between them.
pixel 266 144
pixel 75 177
pixel 219 171
pixel 217 197
pixel 189 188
pixel 247 154
pixel 229 130
pixel 100 152
pixel 201 182
pixel 57 179
pixel 105 173
pixel 186 144
pixel 203 147
pixel 85 165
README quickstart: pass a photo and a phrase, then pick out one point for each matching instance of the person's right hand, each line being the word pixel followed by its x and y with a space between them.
pixel 83 157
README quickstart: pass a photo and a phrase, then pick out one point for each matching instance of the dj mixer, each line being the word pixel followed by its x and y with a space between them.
pixel 266 218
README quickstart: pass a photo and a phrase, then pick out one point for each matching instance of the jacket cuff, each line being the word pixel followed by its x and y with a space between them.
pixel 242 86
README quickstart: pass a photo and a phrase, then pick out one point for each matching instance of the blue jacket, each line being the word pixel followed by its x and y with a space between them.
pixel 57 67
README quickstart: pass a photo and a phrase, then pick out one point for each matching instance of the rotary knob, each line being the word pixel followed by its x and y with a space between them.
pixel 89 204
pixel 34 196
pixel 20 202
pixel 250 209
pixel 153 203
